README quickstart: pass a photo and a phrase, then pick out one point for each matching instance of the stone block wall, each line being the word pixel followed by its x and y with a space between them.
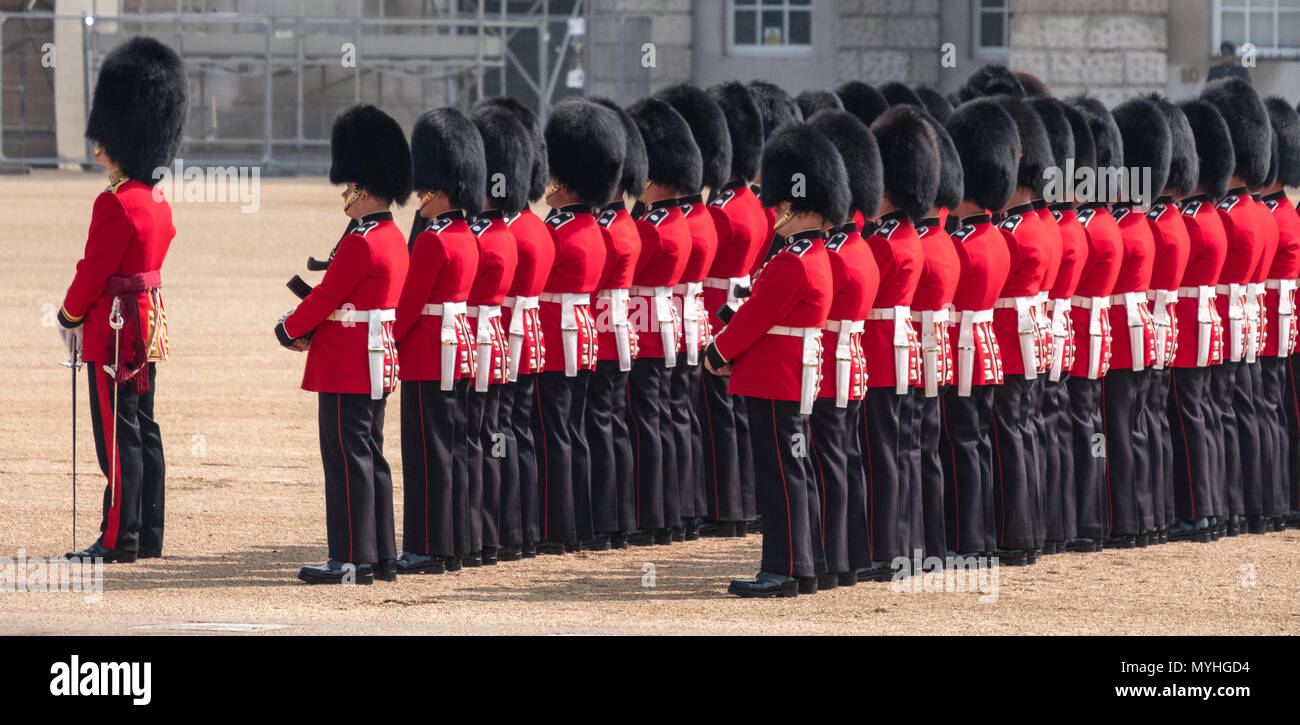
pixel 883 40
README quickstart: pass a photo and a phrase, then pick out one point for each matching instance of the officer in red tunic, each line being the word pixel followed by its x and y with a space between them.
pixel 742 228
pixel 770 348
pixel 836 451
pixel 508 155
pixel 609 430
pixel 777 108
pixel 520 528
pixel 585 143
pixel 988 144
pixel 662 436
pixel 1252 139
pixel 1132 450
pixel 909 155
pixel 1198 442
pixel 112 315
pixel 346 325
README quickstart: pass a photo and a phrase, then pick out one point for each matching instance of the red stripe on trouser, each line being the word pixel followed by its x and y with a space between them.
pixel 785 487
pixel 347 482
pixel 108 424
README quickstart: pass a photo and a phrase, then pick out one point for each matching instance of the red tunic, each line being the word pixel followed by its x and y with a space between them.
pixel 1134 276
pixel 1172 249
pixel 579 260
pixel 497 259
pixel 366 273
pixel 1286 266
pixel 1030 254
pixel 1207 248
pixel 704 249
pixel 854 281
pixel 1245 247
pixel 1074 255
pixel 900 257
pixel 1054 245
pixel 1088 316
pixel 1266 312
pixel 742 229
pixel 769 223
pixel 443 262
pixel 792 290
pixel 665 252
pixel 934 293
pixel 985 263
pixel 536 256
pixel 622 249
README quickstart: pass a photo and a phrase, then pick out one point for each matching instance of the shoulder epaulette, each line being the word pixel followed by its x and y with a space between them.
pixel 1012 223
pixel 922 231
pixel 1271 204
pixel 480 226
pixel 961 234
pixel 656 217
pixel 438 225
pixel 723 198
pixel 1156 212
pixel 1121 212
pixel 800 247
pixel 1085 215
pixel 364 228
pixel 1228 203
pixel 834 243
pixel 1057 215
pixel 686 209
pixel 1191 208
pixel 559 219
pixel 607 218
pixel 887 229
pixel 511 218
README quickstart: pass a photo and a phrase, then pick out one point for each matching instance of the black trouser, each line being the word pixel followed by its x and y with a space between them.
pixel 722 489
pixel 1015 466
pixel 858 516
pixel 1128 451
pixel 484 466
pixel 685 424
pixel 523 417
pixel 462 530
pixel 745 452
pixel 561 402
pixel 1194 444
pixel 583 522
pixel 135 495
pixel 831 431
pixel 1269 379
pixel 879 434
pixel 358 483
pixel 786 488
pixel 647 406
pixel 1162 447
pixel 1089 462
pixel 1058 494
pixel 966 451
pixel 1244 490
pixel 1292 405
pixel 1223 385
pixel 428 425
pixel 911 501
pixel 1036 445
pixel 928 423
pixel 613 485
pixel 509 509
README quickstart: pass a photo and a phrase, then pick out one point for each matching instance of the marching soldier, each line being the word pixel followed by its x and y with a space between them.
pixel 585 144
pixel 742 228
pixel 436 344
pixel 346 326
pixel 112 315
pixel 988 144
pixel 662 435
pixel 771 351
pixel 509 167
pixel 609 430
pixel 836 450
pixel 1199 456
pixel 777 109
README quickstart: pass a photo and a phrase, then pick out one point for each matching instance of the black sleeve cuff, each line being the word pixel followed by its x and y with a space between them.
pixel 282 334
pixel 714 357
pixel 67 321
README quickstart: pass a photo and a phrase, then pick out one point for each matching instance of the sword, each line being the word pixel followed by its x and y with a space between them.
pixel 116 322
pixel 74 364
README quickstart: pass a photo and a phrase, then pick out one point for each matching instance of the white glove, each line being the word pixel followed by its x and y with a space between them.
pixel 71 337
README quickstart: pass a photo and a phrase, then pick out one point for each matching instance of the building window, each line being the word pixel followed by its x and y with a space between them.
pixel 992 27
pixel 1272 26
pixel 780 27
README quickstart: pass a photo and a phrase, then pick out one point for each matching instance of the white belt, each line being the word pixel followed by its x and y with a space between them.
pixel 930 348
pixel 729 284
pixel 568 302
pixel 1026 328
pixel 374 320
pixel 966 348
pixel 1285 311
pixel 690 293
pixel 483 315
pixel 1161 300
pixel 1236 318
pixel 662 298
pixel 518 306
pixel 845 329
pixel 902 317
pixel 1134 303
pixel 1254 319
pixel 811 360
pixel 1060 335
pixel 451 312
pixel 618 307
pixel 1206 317
pixel 1096 333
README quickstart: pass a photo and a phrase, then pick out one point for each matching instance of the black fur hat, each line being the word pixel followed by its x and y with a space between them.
pixel 1147 141
pixel 674 157
pixel 541 173
pixel 448 154
pixel 1105 134
pixel 369 148
pixel 1184 166
pixel 1033 85
pixel 993 79
pixel 862 100
pixel 744 125
pixel 988 142
pixel 952 179
pixel 798 148
pixel 508 151
pixel 909 155
pixel 861 157
pixel 1085 149
pixel 814 100
pixel 138 110
pixel 1213 147
pixel 1059 134
pixel 1273 166
pixel 708 127
pixel 1035 148
pixel 898 94
pixel 1248 122
pixel 1286 127
pixel 585 144
pixel 635 165
pixel 935 103
pixel 775 106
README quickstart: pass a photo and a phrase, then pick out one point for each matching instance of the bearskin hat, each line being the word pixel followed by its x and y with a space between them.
pixel 635 165
pixel 138 110
pixel 1085 149
pixel 1249 124
pixel 507 149
pixel 775 106
pixel 861 157
pixel 1105 134
pixel 1059 134
pixel 993 79
pixel 898 94
pixel 862 100
pixel 1274 164
pixel 1286 127
pixel 988 144
pixel 1035 147
pixel 1183 164
pixel 909 155
pixel 814 100
pixel 708 127
pixel 1033 85
pixel 541 173
pixel 585 145
pixel 368 147
pixel 1148 143
pixel 799 149
pixel 935 103
pixel 1214 150
pixel 448 156
pixel 951 177
pixel 744 125
pixel 675 159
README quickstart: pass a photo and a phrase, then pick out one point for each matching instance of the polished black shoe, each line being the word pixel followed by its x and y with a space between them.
pixel 1053 547
pixel 147 553
pixel 1142 540
pixel 1162 537
pixel 572 547
pixel 1256 524
pixel 618 541
pixel 472 560
pixel 807 584
pixel 878 571
pixel 510 553
pixel 600 543
pixel 828 581
pixel 847 578
pixel 1121 541
pixel 489 556
pixel 98 551
pixel 1293 518
pixel 765 586
pixel 693 530
pixel 754 527
pixel 451 563
pixel 336 572
pixel 721 529
pixel 1013 557
pixel 1032 555
pixel 386 570
pixel 678 533
pixel 1221 531
pixel 551 548
pixel 1234 527
pixel 641 538
pixel 663 537
pixel 1082 546
pixel 528 551
pixel 1279 523
pixel 409 563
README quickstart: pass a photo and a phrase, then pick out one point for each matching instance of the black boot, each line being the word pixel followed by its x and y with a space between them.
pixel 337 572
pixel 765 586
pixel 97 550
